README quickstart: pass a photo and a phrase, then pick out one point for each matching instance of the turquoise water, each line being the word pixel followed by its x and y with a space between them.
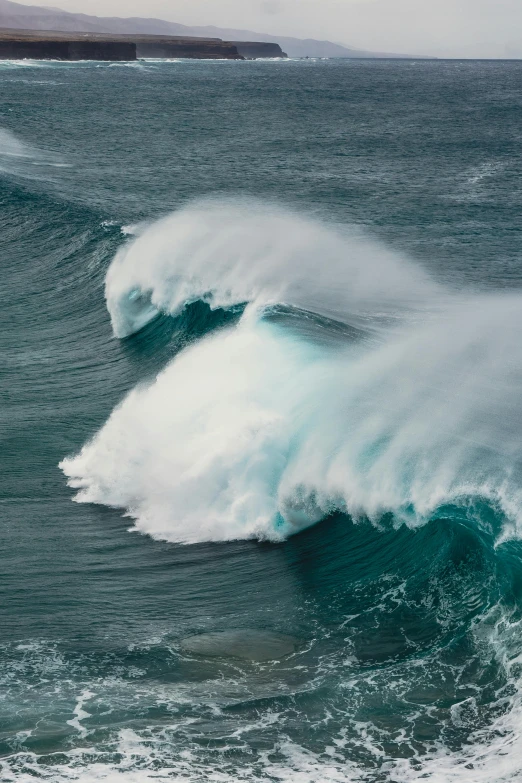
pixel 261 321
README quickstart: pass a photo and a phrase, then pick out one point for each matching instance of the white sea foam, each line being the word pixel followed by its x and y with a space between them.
pixel 493 753
pixel 139 763
pixel 495 757
pixel 175 750
pixel 11 64
pixel 36 81
pixel 80 714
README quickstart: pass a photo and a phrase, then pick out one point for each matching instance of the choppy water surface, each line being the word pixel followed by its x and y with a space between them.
pixel 261 322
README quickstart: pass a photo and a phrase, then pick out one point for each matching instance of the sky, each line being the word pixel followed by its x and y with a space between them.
pixel 474 28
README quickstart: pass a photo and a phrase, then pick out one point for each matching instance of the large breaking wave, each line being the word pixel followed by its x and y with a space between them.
pixel 265 428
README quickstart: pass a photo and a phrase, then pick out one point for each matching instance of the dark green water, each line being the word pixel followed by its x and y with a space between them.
pixel 339 463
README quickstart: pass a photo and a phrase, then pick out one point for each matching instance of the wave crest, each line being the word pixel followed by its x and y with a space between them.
pixel 233 252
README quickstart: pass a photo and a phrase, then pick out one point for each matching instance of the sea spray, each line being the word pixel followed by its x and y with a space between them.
pixel 257 432
pixel 232 252
pixel 20 159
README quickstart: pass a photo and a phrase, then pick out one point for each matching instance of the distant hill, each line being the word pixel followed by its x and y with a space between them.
pixel 24 17
pixel 294 47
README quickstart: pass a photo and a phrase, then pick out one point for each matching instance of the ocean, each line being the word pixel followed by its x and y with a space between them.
pixel 261 422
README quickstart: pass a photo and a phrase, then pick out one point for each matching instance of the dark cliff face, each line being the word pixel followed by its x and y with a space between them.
pixel 192 48
pixel 254 50
pixel 59 45
pixel 66 50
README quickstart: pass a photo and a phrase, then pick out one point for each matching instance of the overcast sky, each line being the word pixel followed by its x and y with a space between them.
pixel 453 27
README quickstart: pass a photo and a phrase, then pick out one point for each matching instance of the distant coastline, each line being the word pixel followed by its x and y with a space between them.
pixel 250 44
pixel 59 45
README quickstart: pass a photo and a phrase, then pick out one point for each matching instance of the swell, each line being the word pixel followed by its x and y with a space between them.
pixel 412 620
pixel 261 430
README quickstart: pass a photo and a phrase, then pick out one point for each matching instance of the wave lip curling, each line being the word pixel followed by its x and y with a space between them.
pixel 233 252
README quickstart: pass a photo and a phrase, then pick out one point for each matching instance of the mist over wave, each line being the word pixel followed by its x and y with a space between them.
pixel 20 159
pixel 232 252
pixel 259 431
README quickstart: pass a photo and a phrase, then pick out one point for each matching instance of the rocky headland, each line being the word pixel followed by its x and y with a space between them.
pixel 255 50
pixel 61 45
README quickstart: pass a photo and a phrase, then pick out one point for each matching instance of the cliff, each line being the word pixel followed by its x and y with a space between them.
pixel 57 45
pixel 254 50
pixel 192 48
pixel 23 45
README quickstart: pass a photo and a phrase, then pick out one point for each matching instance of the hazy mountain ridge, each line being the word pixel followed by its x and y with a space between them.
pixel 18 16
